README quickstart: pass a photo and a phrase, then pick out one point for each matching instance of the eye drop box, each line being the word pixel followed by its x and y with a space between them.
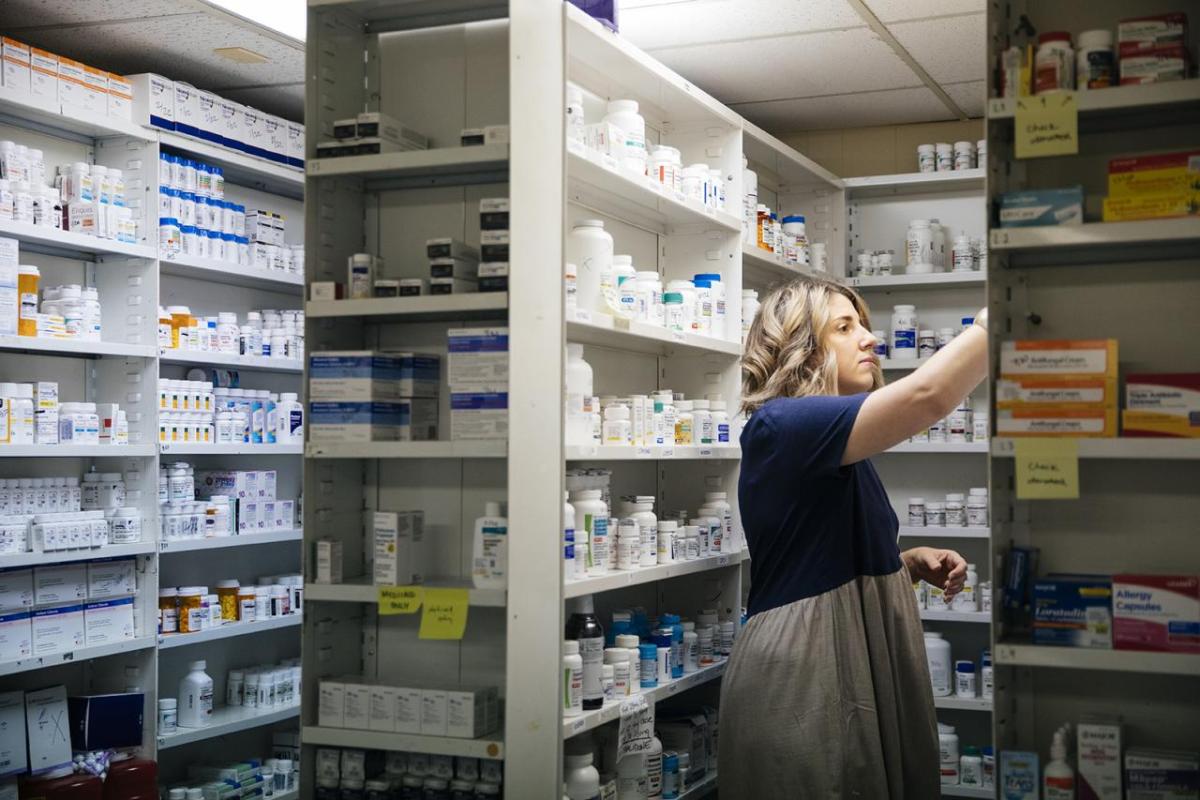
pixel 1040 207
pixel 1098 748
pixel 1019 775
pixel 477 357
pixel 108 621
pixel 1162 405
pixel 331 704
pixel 12 734
pixel 399 547
pixel 58 629
pixel 1161 774
pixel 1073 611
pixel 1159 613
pixel 153 100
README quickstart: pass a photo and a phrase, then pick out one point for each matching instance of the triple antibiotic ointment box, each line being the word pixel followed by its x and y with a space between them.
pixel 1162 404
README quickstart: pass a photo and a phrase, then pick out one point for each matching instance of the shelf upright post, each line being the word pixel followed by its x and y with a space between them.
pixel 537 190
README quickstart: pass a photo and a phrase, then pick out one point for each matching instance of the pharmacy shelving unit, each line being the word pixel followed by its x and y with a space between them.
pixel 1097 280
pixel 124 367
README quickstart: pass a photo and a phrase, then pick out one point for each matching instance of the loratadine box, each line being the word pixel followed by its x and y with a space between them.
pixel 1073 611
pixel 1156 612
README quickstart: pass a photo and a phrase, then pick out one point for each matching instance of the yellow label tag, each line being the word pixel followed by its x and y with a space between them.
pixel 1047 469
pixel 399 599
pixel 444 614
pixel 1046 125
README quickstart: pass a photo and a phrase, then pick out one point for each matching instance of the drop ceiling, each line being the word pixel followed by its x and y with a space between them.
pixel 175 38
pixel 792 65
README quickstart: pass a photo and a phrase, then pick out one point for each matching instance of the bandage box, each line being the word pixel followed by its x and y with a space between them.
pixel 72 85
pixel 12 734
pixel 153 100
pixel 1073 611
pixel 16 589
pixel 408 710
pixel 58 629
pixel 1059 358
pixel 1039 207
pixel 1162 173
pixel 120 97
pixel 477 357
pixel 328 557
pixel 59 583
pixel 47 723
pixel 433 712
pixel 295 144
pixel 16 636
pixel 399 556
pixel 187 110
pixel 1161 774
pixel 472 713
pixel 16 66
pixel 111 577
pixel 1162 405
pixel 1033 420
pixel 108 621
pixel 1019 391
pixel 402 420
pixel 1159 613
pixel 478 414
pixel 43 75
pixel 1098 749
pixel 331 704
pixel 95 90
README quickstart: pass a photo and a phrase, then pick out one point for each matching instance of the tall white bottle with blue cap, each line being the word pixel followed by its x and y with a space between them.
pixel 489 564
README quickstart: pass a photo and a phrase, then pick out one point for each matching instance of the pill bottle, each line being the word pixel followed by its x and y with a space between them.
pixel 926 158
pixel 191 609
pixel 937 652
pixel 167 715
pixel 916 512
pixel 27 299
pixel 168 610
pixel 1054 63
pixel 904 331
pixel 956 515
pixel 227 594
pixel 935 515
pixel 977 508
pixel 1094 64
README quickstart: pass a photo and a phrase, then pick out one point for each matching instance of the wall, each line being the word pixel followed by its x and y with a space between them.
pixel 881 150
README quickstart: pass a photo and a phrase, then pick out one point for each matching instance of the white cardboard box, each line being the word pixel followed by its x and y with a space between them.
pixel 12 734
pixel 16 66
pixel 470 713
pixel 382 713
pixel 357 700
pixel 187 109
pixel 210 116
pixel 153 100
pixel 408 710
pixel 59 583
pixel 331 704
pixel 72 84
pixel 277 138
pixel 16 636
pixel 1098 751
pixel 48 728
pixel 433 712
pixel 8 286
pixel 329 561
pixel 230 126
pixel 58 629
pixel 111 577
pixel 95 90
pixel 16 589
pixel 108 621
pixel 43 75
pixel 399 547
pixel 295 144
pixel 120 97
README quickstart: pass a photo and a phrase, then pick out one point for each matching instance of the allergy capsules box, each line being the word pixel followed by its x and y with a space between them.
pixel 1162 404
pixel 1073 611
pixel 1059 358
pixel 477 357
pixel 399 549
pixel 1159 613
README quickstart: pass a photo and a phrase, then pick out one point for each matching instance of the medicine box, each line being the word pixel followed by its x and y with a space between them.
pixel 250 134
pixel 357 708
pixel 234 484
pixel 331 704
pixel 1019 775
pixel 688 734
pixel 105 721
pixel 478 415
pixel 493 214
pixel 120 97
pixel 493 276
pixel 1161 774
pixel 187 110
pixel 295 144
pixel 210 116
pixel 472 713
pixel 1162 405
pixel 433 712
pixel 72 84
pixel 111 577
pixel 477 357
pixel 1153 29
pixel 1098 749
pixel 1039 207
pixel 59 583
pixel 16 589
pixel 329 562
pixel 47 723
pixel 1059 358
pixel 371 375
pixel 1158 613
pixel 58 629
pixel 1151 206
pixel 153 100
pixel 43 75
pixel 496 134
pixel 398 548
pixel 1018 391
pixel 1138 64
pixel 16 636
pixel 8 287
pixel 375 124
pixel 454 268
pixel 402 420
pixel 12 734
pixel 1073 611
pixel 382 712
pixel 95 90
pixel 452 286
pixel 408 710
pixel 277 138
pixel 449 248
pixel 1031 420
pixel 16 66
pixel 1163 173
pixel 108 621
pixel 493 245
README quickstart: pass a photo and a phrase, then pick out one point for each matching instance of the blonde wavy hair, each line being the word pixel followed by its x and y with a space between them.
pixel 785 353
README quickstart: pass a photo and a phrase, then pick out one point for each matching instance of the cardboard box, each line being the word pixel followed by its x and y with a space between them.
pixel 16 66
pixel 72 84
pixel 1161 774
pixel 120 97
pixel 12 734
pixel 58 629
pixel 472 713
pixel 364 375
pixel 449 248
pixel 295 144
pixel 1038 207
pixel 210 121
pixel 229 126
pixel 454 268
pixel 16 636
pixel 59 583
pixel 493 245
pixel 433 712
pixel 1162 404
pixel 1059 358
pixel 331 704
pixel 1159 613
pixel 111 577
pixel 108 621
pixel 106 721
pixel 1161 173
pixel 95 90
pixel 153 100
pixel 1151 206
pixel 187 110
pixel 1164 62
pixel 408 710
pixel 43 75
pixel 477 357
pixel 1098 759
pixel 357 699
pixel 1153 29
pixel 1019 775
pixel 1149 424
pixel 478 415
pixel 398 539
pixel 382 713
pixel 452 286
pixel 1019 391
pixel 16 589
pixel 329 567
pixel 47 724
pixel 277 138
pixel 405 420
pixel 1056 421
pixel 8 286
pixel 1073 611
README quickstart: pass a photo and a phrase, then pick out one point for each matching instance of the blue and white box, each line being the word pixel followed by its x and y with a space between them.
pixel 404 420
pixel 478 414
pixel 111 577
pixel 210 116
pixel 1073 611
pixel 108 621
pixel 295 144
pixel 187 109
pixel 477 357
pixel 1161 774
pixel 12 734
pixel 153 100
pixel 58 629
pixel 1039 207
pixel 365 375
pixel 1020 777
pixel 16 636
pixel 229 126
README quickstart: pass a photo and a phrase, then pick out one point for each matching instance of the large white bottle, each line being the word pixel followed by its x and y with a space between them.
pixel 590 249
pixel 290 419
pixel 579 398
pixel 1058 780
pixel 490 556
pixel 195 698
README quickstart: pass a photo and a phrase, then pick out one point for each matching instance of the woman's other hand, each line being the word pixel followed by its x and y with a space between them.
pixel 945 569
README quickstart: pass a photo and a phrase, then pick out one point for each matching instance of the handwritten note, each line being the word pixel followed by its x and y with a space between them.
pixel 636 727
pixel 1047 125
pixel 444 614
pixel 1047 469
pixel 399 599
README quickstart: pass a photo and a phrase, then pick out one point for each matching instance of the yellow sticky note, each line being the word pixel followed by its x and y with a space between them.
pixel 444 614
pixel 1046 125
pixel 1047 469
pixel 399 599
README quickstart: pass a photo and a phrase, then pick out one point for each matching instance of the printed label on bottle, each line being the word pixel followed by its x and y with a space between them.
pixel 592 653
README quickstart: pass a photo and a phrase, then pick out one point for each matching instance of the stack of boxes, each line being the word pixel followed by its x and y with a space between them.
pixel 356 703
pixel 1161 405
pixel 1057 388
pixel 453 266
pixel 493 241
pixel 371 133
pixel 372 396
pixel 1154 48
pixel 257 508
pixel 477 367
pixel 62 84
pixel 1153 186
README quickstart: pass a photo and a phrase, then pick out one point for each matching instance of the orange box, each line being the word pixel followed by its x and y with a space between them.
pixel 1059 358
pixel 16 65
pixel 95 94
pixel 1021 391
pixel 1093 423
pixel 43 80
pixel 71 84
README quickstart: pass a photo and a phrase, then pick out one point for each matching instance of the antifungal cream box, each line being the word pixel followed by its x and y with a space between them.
pixel 398 539
pixel 153 100
pixel 1156 612
pixel 1162 405
pixel 1018 390
pixel 1098 749
pixel 1073 611
pixel 1059 358
pixel 1033 420
pixel 477 357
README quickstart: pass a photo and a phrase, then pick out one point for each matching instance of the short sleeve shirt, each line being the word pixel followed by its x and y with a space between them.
pixel 811 523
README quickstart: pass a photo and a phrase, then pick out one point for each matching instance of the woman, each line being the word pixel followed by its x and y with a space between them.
pixel 827 693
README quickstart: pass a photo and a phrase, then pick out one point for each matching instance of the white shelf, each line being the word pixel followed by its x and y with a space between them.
pixel 76 348
pixel 939 447
pixel 487 747
pixel 227 720
pixel 228 630
pixel 968 791
pixel 211 359
pixel 979 617
pixel 206 269
pixel 901 363
pixel 620 579
pixel 70 244
pixel 1116 99
pixel 1119 448
pixel 76 451
pixel 603 330
pixel 1097 235
pixel 915 182
pixel 676 453
pixel 1031 655
pixel 700 790
pixel 760 267
pixel 429 308
pixel 934 532
pixel 71 656
pixel 963 703
pixel 794 169
pixel 175 449
pixel 638 201
pixel 471 448
pixel 588 720
pixel 66 556
pixel 440 162
pixel 166 546
pixel 362 590
pixel 80 123
pixel 240 168
pixel 932 280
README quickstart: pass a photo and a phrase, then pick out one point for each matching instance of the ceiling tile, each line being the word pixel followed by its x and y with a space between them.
pixel 34 13
pixel 798 66
pixel 671 25
pixel 951 49
pixel 896 10
pixel 893 107
pixel 969 96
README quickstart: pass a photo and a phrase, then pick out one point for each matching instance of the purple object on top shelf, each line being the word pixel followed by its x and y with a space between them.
pixel 605 11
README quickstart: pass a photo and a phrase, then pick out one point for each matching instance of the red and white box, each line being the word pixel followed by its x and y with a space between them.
pixel 1160 613
pixel 1154 63
pixel 1154 29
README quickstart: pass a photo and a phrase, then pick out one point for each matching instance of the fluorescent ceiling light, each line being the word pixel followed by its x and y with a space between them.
pixel 288 17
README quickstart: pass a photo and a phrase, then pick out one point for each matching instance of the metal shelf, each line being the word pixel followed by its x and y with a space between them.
pixel 939 447
pixel 388 15
pixel 71 656
pixel 700 790
pixel 980 617
pixel 74 124
pixel 968 791
pixel 468 448
pixel 488 747
pixel 175 449
pixel 76 451
pixel 228 630
pixel 963 703
pixel 206 269
pixel 603 330
pixel 228 720
pixel 239 168
pixel 945 533
pixel 166 546
pixel 65 556
pixel 75 348
pixel 676 453
pixel 1168 96
pixel 620 579
pixel 211 359
pixel 1120 448
pixel 430 308
pixel 932 280
pixel 1031 655
pixel 1099 242
pixel 69 244
pixel 914 183
pixel 362 590
pixel 478 164
pixel 901 363
pixel 588 720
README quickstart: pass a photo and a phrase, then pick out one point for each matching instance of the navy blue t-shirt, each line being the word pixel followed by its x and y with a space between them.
pixel 811 524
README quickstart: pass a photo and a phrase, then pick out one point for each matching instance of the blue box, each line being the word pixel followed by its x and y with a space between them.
pixel 1039 207
pixel 103 721
pixel 364 375
pixel 1073 611
pixel 404 420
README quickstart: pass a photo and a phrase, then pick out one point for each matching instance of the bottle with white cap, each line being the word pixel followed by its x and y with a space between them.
pixel 195 698
pixel 489 565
